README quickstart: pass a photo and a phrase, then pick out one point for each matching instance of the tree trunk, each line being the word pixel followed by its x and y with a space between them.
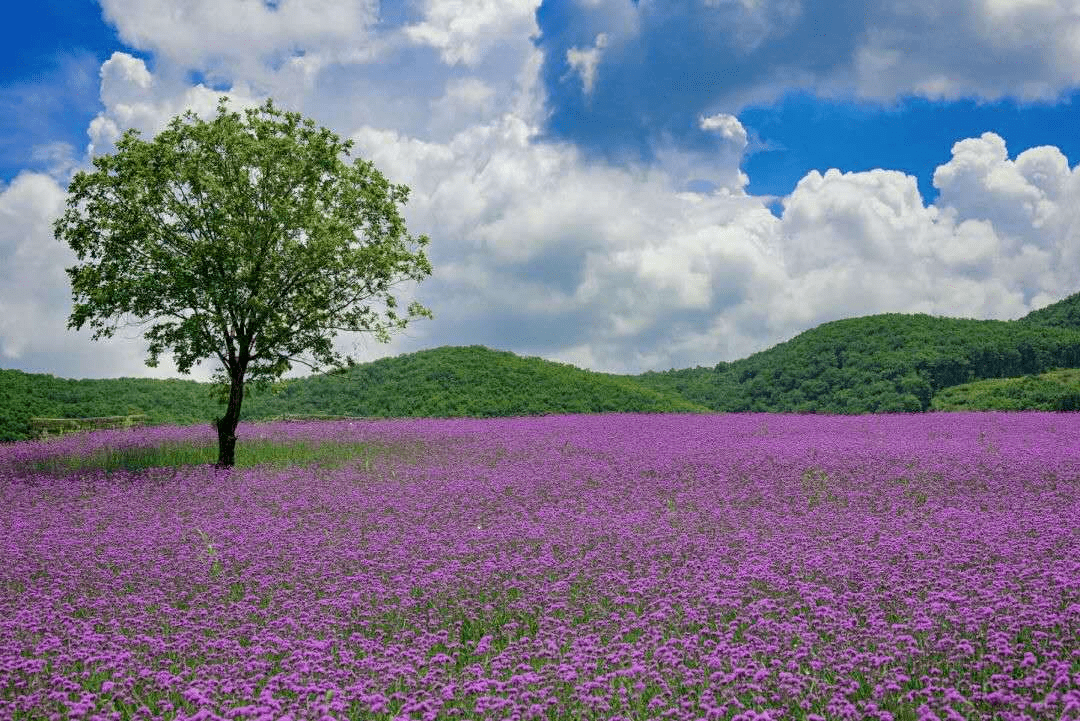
pixel 226 425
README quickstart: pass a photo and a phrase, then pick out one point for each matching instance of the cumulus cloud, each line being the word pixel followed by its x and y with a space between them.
pixel 132 100
pixel 544 250
pixel 827 212
pixel 1000 240
pixel 463 31
pixel 680 59
pixel 728 126
pixel 642 267
pixel 243 34
pixel 1017 197
pixel 466 100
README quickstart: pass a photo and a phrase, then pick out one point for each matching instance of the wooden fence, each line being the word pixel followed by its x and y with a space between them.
pixel 45 427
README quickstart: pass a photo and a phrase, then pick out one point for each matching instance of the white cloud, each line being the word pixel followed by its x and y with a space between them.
pixel 240 33
pixel 35 296
pixel 1019 198
pixel 585 62
pixel 466 100
pixel 465 30
pixel 511 212
pixel 536 249
pixel 728 127
pixel 1028 50
pixel 60 158
pixel 132 100
pixel 1001 235
pixel 30 275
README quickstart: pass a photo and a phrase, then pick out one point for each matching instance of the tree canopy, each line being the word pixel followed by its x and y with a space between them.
pixel 240 242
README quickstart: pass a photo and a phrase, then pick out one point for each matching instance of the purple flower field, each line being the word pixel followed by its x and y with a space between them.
pixel 628 566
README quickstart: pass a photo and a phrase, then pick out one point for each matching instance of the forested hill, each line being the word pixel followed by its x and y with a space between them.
pixel 467 381
pixel 1063 314
pixel 882 363
pixel 447 381
pixel 879 363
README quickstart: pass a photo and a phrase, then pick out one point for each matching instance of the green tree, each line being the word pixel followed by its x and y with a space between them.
pixel 240 242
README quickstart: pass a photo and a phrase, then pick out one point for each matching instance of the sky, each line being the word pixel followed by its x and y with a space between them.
pixel 624 186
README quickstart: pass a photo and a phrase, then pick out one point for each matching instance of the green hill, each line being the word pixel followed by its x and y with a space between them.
pixel 174 402
pixel 878 363
pixel 467 381
pixel 882 363
pixel 448 381
pixel 1063 314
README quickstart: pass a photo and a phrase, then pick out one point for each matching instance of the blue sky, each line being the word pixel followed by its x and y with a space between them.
pixel 914 137
pixel 620 157
pixel 50 52
pixel 63 42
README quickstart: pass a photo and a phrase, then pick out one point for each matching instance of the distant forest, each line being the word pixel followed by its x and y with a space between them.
pixel 874 364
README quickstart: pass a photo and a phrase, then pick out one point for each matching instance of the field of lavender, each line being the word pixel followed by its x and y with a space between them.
pixel 563 567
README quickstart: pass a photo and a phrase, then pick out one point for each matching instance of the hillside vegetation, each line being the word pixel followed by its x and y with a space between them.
pixel 443 382
pixel 1054 391
pixel 880 363
pixel 1063 314
pixel 467 381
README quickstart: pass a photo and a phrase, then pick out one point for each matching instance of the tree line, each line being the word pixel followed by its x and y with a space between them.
pixel 874 364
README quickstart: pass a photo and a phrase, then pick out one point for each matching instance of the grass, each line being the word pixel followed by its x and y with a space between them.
pixel 1056 390
pixel 249 454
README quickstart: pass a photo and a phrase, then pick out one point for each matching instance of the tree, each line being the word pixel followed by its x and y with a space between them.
pixel 240 242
